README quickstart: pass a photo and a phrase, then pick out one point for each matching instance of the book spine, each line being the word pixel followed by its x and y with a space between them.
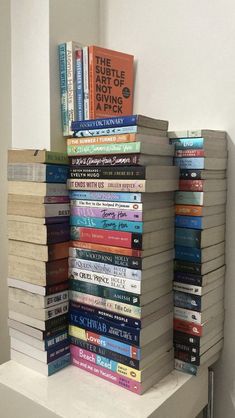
pixel 105 292
pixel 191 174
pixel 106 131
pixel 102 123
pixel 188 288
pixel 187 266
pixel 63 88
pixel 57 210
pixel 188 254
pixel 86 87
pixel 187 348
pixel 70 83
pixel 114 282
pixel 189 198
pixel 187 339
pixel 57 352
pixel 191 279
pixel 60 363
pixel 57 269
pixel 190 163
pixel 56 173
pixel 91 76
pixel 111 249
pixel 117 206
pixel 56 288
pixel 108 343
pixel 56 298
pixel 194 222
pixel 188 315
pixel 108 315
pixel 188 327
pixel 109 172
pixel 56 220
pixel 112 377
pixel 110 329
pixel 187 357
pixel 129 372
pixel 57 233
pixel 55 340
pixel 106 237
pixel 121 148
pixel 105 160
pixel 56 199
pixel 106 196
pixel 189 153
pixel 112 355
pixel 188 210
pixel 56 310
pixel 107 258
pixel 186 237
pixel 108 185
pixel 182 366
pixel 54 323
pixel 105 139
pixel 110 224
pixel 189 143
pixel 79 85
pixel 191 185
pixel 104 268
pixel 187 301
pixel 107 304
pixel 128 215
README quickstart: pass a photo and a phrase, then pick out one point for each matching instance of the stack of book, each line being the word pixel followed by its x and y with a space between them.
pixel 95 82
pixel 121 255
pixel 199 247
pixel 38 231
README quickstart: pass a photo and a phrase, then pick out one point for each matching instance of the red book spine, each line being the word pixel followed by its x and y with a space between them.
pixel 107 237
pixel 191 185
pixel 188 327
pixel 56 288
pixel 57 271
pixel 190 153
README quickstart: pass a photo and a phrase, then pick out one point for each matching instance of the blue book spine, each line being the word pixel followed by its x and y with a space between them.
pixel 194 222
pixel 190 163
pixel 101 326
pixel 187 301
pixel 188 278
pixel 79 85
pixel 105 123
pixel 188 254
pixel 107 131
pixel 110 224
pixel 189 143
pixel 186 367
pixel 56 173
pixel 188 237
pixel 54 340
pixel 57 352
pixel 108 196
pixel 58 364
pixel 63 88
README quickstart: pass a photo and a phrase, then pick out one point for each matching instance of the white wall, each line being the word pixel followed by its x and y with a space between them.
pixel 185 54
pixel 5 143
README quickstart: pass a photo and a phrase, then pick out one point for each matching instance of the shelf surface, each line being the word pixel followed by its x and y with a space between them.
pixel 73 393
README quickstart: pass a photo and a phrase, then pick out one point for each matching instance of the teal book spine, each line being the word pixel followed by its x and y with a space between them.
pixel 111 224
pixel 63 89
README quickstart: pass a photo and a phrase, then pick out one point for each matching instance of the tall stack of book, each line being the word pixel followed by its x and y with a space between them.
pixel 121 186
pixel 199 247
pixel 38 231
pixel 95 82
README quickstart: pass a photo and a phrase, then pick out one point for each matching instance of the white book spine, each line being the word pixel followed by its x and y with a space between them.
pixel 86 82
pixel 71 47
pixel 57 298
pixel 188 288
pixel 188 315
pixel 105 205
pixel 56 310
pixel 114 282
pixel 95 266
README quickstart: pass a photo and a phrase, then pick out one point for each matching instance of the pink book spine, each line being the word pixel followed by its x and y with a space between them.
pixel 130 215
pixel 105 374
pixel 56 199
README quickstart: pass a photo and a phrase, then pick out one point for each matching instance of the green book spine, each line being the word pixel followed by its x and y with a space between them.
pixel 122 148
pixel 56 158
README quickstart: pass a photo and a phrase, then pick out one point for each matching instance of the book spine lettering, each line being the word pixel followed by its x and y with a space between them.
pixel 106 131
pixel 184 287
pixel 91 76
pixel 189 143
pixel 187 266
pixel 188 315
pixel 54 340
pixel 188 222
pixel 191 174
pixel 109 172
pixel 190 163
pixel 110 224
pixel 106 196
pixel 79 86
pixel 188 327
pixel 190 153
pixel 105 139
pixel 86 85
pixel 191 279
pixel 120 148
pixel 101 123
pixel 108 185
pixel 111 249
pixel 56 298
pixel 56 310
pixel 57 352
pixel 117 206
pixel 107 258
pixel 188 254
pixel 63 88
pixel 186 301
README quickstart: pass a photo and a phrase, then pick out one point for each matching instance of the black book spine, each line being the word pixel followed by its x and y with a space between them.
pixel 188 278
pixel 187 339
pixel 109 258
pixel 109 172
pixel 191 174
pixel 187 267
pixel 105 160
pixel 187 357
pixel 52 323
pixel 192 350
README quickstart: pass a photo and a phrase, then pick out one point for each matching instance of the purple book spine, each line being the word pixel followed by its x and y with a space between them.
pixel 58 233
pixel 130 215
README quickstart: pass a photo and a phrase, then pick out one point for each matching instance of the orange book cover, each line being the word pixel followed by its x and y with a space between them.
pixel 106 249
pixel 111 79
pixel 106 139
pixel 188 210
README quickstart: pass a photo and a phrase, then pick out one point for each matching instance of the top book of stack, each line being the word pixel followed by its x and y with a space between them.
pixel 95 82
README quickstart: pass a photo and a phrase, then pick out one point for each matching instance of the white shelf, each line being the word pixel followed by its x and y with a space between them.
pixel 73 393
